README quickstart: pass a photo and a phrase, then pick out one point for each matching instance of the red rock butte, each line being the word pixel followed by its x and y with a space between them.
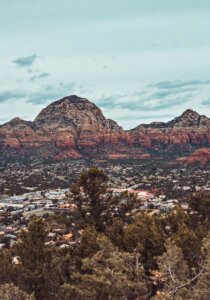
pixel 76 128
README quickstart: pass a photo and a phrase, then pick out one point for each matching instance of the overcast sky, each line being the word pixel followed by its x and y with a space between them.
pixel 138 60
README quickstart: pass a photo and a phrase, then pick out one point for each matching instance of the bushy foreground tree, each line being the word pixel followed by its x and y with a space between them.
pixel 95 202
pixel 173 272
pixel 91 196
pixel 108 274
pixel 7 271
pixel 146 236
pixel 12 292
pixel 201 289
pixel 36 264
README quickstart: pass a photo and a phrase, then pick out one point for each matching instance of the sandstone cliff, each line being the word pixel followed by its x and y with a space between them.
pixel 74 127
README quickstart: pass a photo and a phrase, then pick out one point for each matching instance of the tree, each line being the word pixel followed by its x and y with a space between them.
pixel 31 244
pixel 176 217
pixel 201 290
pixel 108 274
pixel 200 202
pixel 173 272
pixel 145 234
pixel 116 234
pixel 91 196
pixel 7 270
pixel 37 273
pixel 186 230
pixel 89 242
pixel 12 292
pixel 187 240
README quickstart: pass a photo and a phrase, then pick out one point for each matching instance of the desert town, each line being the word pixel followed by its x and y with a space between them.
pixel 16 211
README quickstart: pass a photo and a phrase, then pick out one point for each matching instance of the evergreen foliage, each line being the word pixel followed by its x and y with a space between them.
pixel 149 257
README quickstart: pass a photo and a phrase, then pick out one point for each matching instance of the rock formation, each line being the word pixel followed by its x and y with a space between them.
pixel 74 127
pixel 200 156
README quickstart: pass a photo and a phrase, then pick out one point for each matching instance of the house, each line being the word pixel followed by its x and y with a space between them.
pixel 166 207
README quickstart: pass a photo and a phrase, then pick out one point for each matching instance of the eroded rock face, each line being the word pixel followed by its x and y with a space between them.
pixel 74 127
pixel 200 156
pixel 189 118
pixel 186 132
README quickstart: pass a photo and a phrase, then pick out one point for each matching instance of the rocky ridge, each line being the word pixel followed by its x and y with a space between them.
pixel 74 127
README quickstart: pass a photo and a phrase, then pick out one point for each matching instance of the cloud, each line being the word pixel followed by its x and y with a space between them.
pixel 3 120
pixel 108 102
pixel 11 95
pixel 138 93
pixel 40 76
pixel 146 105
pixel 149 102
pixel 46 93
pixel 26 61
pixel 155 97
pixel 42 97
pixel 146 117
pixel 50 93
pixel 206 102
pixel 166 104
pixel 178 84
pixel 162 94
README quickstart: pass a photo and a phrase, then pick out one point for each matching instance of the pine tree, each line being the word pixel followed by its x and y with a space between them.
pixel 89 242
pixel 200 202
pixel 176 217
pixel 92 197
pixel 116 234
pixel 187 240
pixel 7 269
pixel 35 267
pixel 201 290
pixel 108 274
pixel 146 235
pixel 174 272
pixel 12 292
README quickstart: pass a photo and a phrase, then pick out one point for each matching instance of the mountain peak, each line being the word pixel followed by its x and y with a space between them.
pixel 189 118
pixel 75 113
pixel 16 121
pixel 72 99
pixel 65 108
pixel 190 112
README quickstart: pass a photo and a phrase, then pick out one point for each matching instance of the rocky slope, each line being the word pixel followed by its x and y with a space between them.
pixel 189 118
pixel 184 133
pixel 200 156
pixel 74 127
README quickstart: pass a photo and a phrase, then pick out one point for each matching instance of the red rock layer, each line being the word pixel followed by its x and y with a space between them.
pixel 200 156
pixel 74 127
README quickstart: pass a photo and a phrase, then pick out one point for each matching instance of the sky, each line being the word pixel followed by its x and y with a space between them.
pixel 139 60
